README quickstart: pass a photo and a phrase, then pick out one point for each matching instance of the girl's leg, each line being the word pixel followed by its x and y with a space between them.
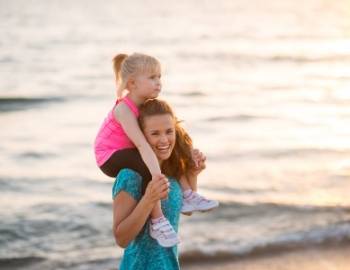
pixel 187 184
pixel 127 158
pixel 192 182
pixel 157 211
pixel 192 201
pixel 131 158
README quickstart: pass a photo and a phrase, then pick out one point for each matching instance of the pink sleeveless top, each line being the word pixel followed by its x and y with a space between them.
pixel 111 137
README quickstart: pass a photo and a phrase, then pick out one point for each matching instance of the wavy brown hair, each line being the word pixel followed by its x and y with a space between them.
pixel 180 161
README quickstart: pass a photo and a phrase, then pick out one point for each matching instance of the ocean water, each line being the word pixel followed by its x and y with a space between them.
pixel 263 88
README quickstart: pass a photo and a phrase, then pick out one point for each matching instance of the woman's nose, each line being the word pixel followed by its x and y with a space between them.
pixel 164 139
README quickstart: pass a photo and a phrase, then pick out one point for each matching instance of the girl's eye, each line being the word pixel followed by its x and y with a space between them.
pixel 170 131
pixel 154 133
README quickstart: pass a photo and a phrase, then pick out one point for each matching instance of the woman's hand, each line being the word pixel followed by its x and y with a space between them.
pixel 199 160
pixel 198 157
pixel 129 215
pixel 157 188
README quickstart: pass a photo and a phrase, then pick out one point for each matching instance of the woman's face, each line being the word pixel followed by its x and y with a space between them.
pixel 160 133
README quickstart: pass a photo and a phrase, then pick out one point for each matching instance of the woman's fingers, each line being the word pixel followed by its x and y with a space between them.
pixel 164 189
pixel 202 165
pixel 197 157
pixel 201 156
pixel 195 151
pixel 164 194
pixel 164 182
pixel 200 168
pixel 159 187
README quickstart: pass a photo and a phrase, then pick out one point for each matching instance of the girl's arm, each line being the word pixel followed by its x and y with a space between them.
pixel 129 123
pixel 129 216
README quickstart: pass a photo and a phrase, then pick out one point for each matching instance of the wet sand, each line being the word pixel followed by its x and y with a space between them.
pixel 334 257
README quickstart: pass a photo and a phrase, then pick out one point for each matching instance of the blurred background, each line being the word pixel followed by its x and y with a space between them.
pixel 262 87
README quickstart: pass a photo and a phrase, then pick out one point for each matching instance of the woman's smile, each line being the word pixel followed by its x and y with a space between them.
pixel 164 150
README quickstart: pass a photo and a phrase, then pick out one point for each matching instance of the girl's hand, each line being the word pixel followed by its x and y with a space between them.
pixel 157 188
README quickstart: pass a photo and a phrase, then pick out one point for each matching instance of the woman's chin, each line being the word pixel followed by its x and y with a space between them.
pixel 163 156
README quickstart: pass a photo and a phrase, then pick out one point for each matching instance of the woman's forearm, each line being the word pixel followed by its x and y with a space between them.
pixel 130 227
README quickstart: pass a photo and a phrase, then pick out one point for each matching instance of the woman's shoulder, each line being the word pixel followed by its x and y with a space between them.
pixel 173 181
pixel 129 181
pixel 129 173
pixel 172 178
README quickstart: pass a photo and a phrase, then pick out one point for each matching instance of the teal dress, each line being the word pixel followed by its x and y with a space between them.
pixel 144 253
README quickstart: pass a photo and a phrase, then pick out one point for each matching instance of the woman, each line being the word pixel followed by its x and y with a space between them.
pixel 132 207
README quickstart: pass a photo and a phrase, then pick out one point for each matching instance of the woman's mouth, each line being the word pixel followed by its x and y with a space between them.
pixel 163 148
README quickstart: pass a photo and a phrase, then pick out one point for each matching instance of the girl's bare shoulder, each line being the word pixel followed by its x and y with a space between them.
pixel 120 109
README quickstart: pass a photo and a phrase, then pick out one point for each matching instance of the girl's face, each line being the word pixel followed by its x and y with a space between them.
pixel 147 85
pixel 160 133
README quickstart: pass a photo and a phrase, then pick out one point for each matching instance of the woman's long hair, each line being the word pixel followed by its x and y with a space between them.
pixel 180 161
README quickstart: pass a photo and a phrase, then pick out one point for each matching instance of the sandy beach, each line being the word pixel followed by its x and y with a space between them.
pixel 333 257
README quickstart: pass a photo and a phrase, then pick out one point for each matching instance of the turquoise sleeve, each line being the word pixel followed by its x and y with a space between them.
pixel 129 181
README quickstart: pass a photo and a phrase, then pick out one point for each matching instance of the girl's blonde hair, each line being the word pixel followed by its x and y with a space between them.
pixel 130 65
pixel 180 161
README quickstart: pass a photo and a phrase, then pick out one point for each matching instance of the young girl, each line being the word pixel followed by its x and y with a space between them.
pixel 120 142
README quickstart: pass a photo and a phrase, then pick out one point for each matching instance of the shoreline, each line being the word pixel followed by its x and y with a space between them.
pixel 334 256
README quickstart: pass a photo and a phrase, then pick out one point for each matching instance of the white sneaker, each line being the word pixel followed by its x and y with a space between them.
pixel 196 202
pixel 164 233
